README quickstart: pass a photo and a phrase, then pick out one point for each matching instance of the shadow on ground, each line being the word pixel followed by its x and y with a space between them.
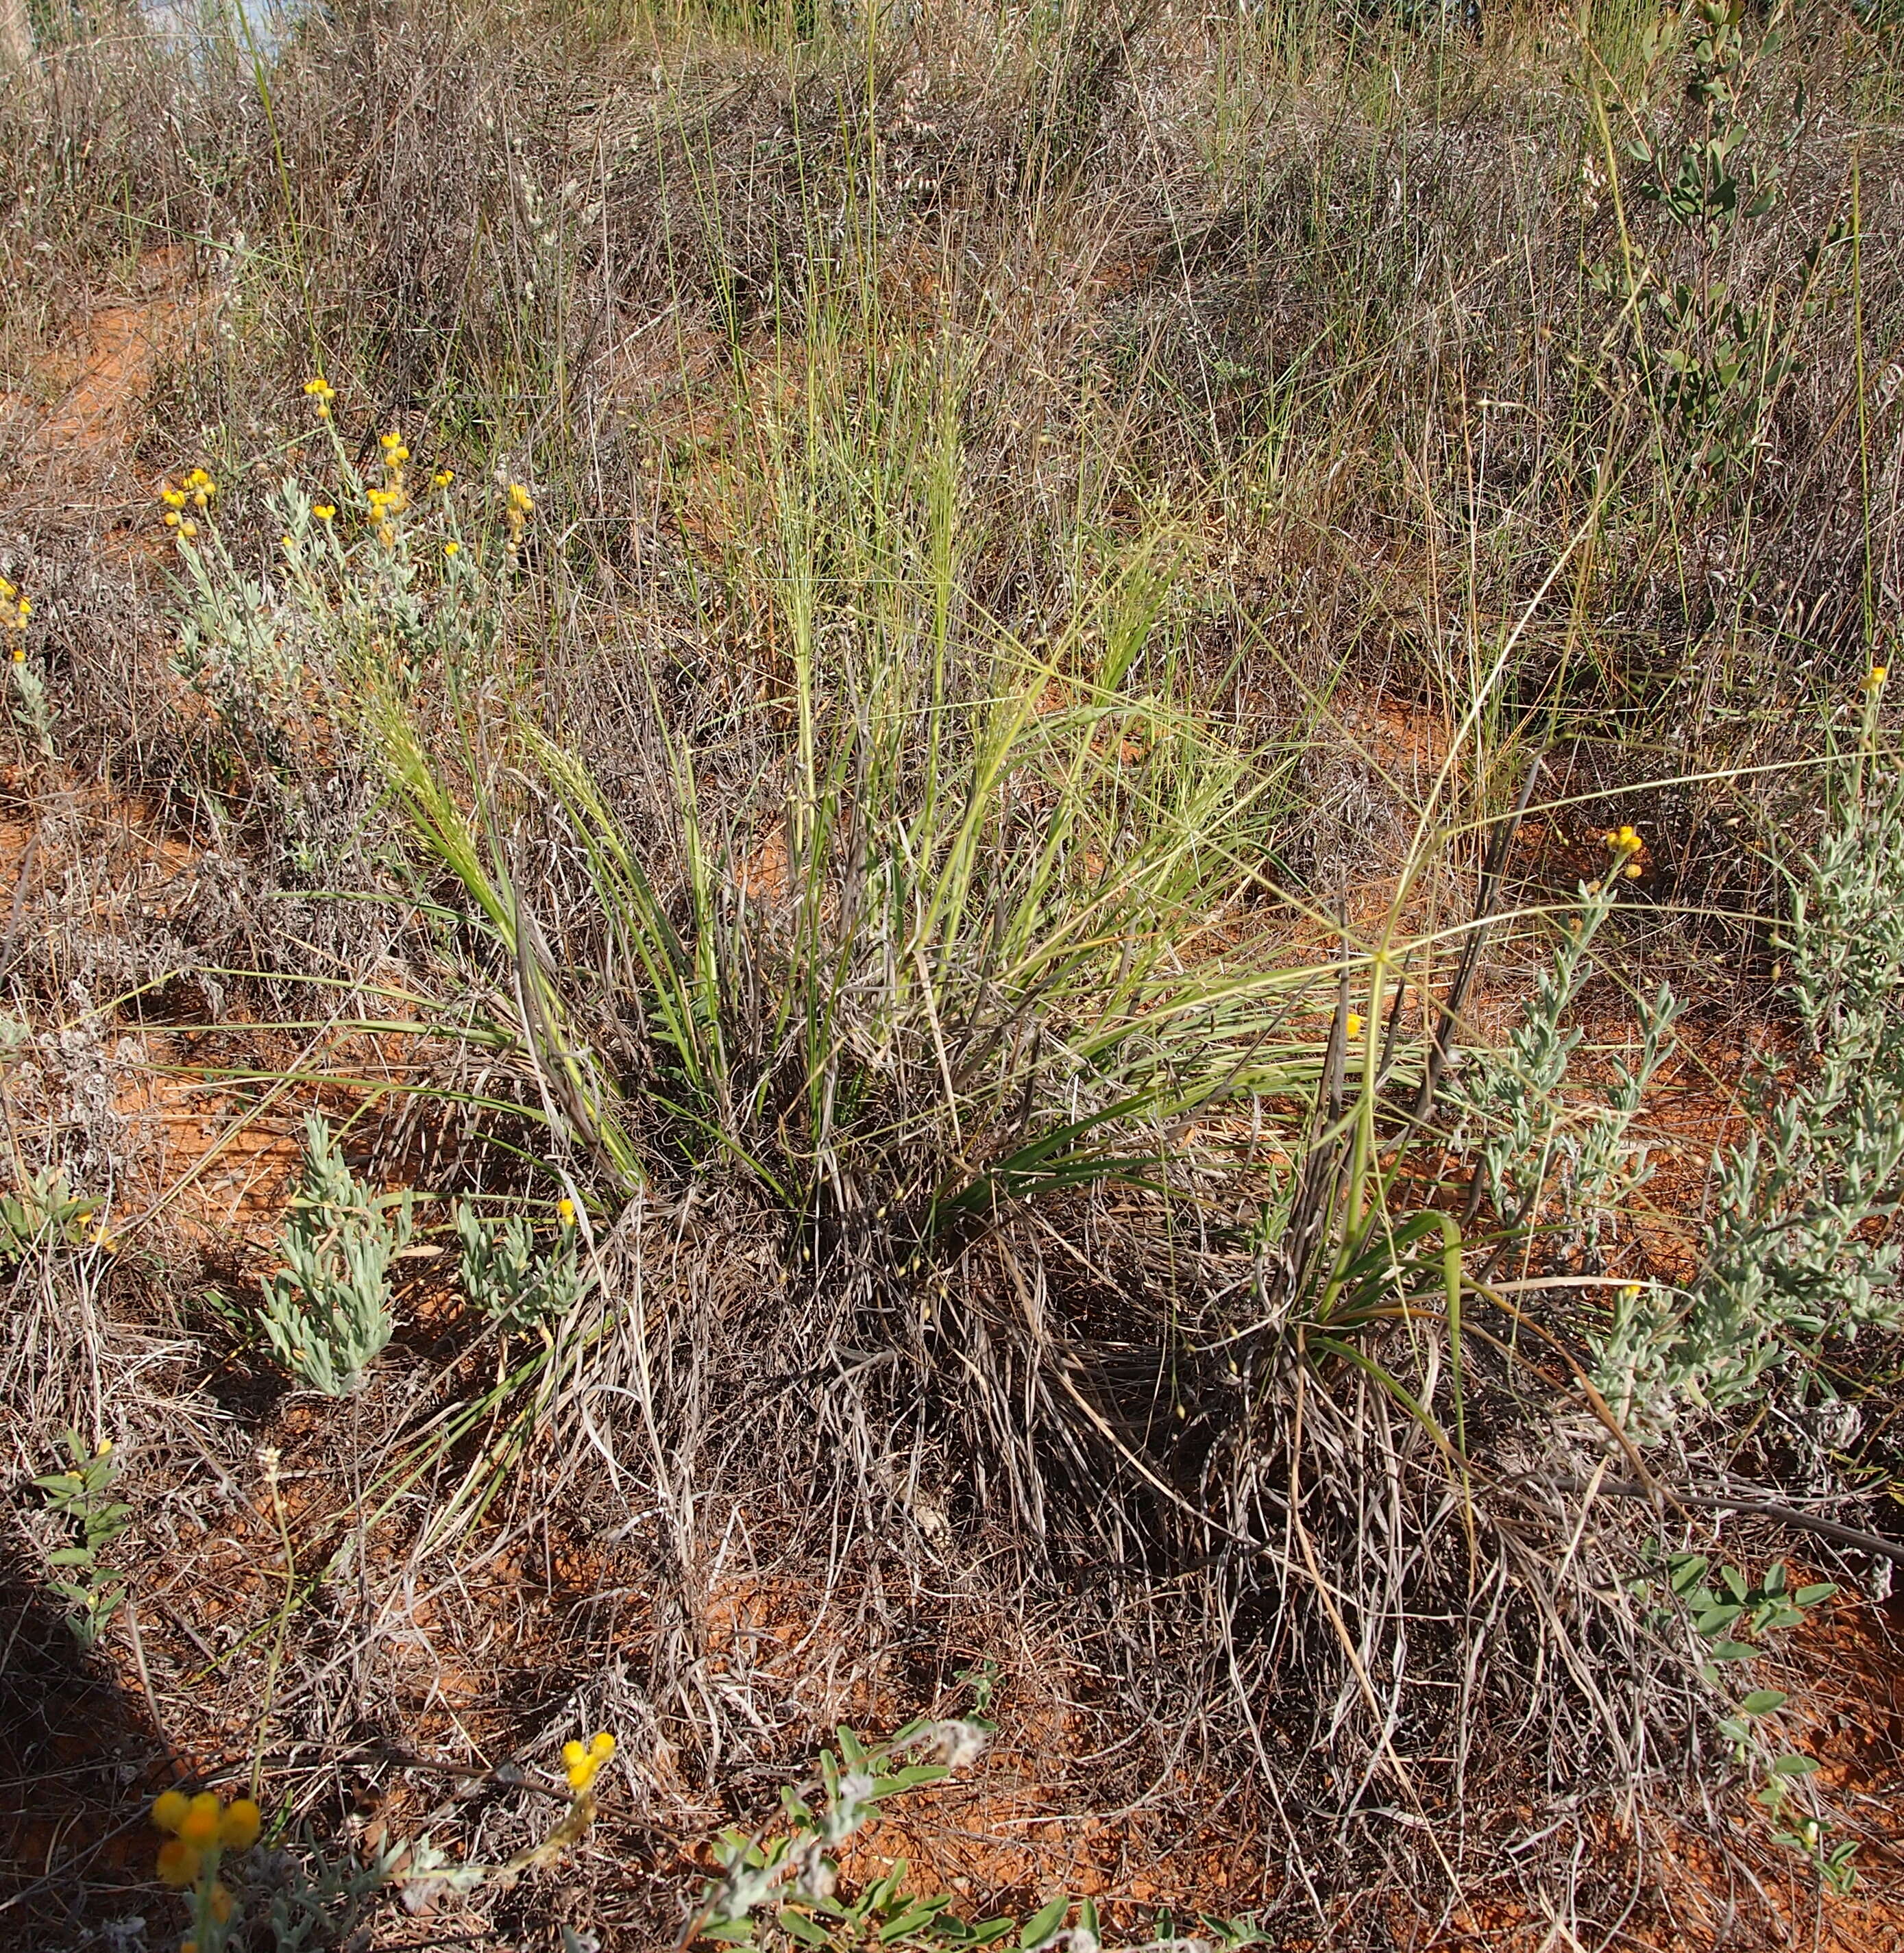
pixel 79 1759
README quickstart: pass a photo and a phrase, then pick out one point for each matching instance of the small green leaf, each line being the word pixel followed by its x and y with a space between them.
pixel 1733 1651
pixel 1763 1701
pixel 1810 1597
pixel 908 1923
pixel 1715 1620
pixel 1044 1922
pixel 1794 1765
pixel 802 1928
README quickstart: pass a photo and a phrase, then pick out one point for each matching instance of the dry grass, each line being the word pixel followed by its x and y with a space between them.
pixel 978 336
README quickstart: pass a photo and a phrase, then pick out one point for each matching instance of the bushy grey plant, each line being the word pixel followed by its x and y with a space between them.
pixel 512 1285
pixel 328 1315
pixel 1801 1247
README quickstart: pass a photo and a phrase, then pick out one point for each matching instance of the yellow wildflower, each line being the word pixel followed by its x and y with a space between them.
pixel 452 548
pixel 188 528
pixel 199 1825
pixel 443 477
pixel 323 511
pixel 240 1826
pixel 171 518
pixel 1876 676
pixel 386 535
pixel 173 498
pixel 1354 1025
pixel 321 391
pixel 521 501
pixel 565 1211
pixel 20 654
pixel 169 1808
pixel 581 1765
pixel 289 545
pixel 178 1863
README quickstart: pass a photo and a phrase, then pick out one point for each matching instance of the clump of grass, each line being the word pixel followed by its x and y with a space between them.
pixel 981 590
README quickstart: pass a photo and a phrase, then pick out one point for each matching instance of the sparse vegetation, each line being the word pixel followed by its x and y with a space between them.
pixel 1090 819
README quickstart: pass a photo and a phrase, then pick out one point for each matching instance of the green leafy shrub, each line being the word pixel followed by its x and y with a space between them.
pixel 515 1287
pixel 83 1495
pixel 328 1315
pixel 1800 1248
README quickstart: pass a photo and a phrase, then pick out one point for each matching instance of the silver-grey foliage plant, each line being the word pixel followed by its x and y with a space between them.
pixel 328 1315
pixel 1802 1246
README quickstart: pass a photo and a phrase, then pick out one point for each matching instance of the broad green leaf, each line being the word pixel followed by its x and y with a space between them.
pixel 1733 1651
pixel 1794 1765
pixel 1763 1701
pixel 1810 1597
pixel 1046 1921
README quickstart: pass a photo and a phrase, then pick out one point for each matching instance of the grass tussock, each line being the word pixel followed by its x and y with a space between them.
pixel 1034 867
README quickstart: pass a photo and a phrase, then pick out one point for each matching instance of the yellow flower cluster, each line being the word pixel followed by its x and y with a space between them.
pixel 1626 842
pixel 390 500
pixel 522 506
pixel 201 1828
pixel 196 491
pixel 1354 1026
pixel 14 611
pixel 565 1211
pixel 581 1763
pixel 322 394
pixel 1874 678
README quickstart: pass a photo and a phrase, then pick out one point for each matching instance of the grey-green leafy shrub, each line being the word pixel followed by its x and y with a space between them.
pixel 42 1211
pixel 1526 1132
pixel 512 1285
pixel 1801 1247
pixel 785 1890
pixel 1720 1605
pixel 328 1315
pixel 83 1495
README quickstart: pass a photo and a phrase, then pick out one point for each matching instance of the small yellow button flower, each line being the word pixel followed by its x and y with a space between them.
pixel 239 1827
pixel 452 548
pixel 169 1808
pixel 444 477
pixel 582 1765
pixel 20 654
pixel 324 511
pixel 1874 678
pixel 173 498
pixel 178 1863
pixel 199 1825
pixel 321 391
pixel 520 501
pixel 1354 1025
pixel 188 528
pixel 172 518
pixel 565 1212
